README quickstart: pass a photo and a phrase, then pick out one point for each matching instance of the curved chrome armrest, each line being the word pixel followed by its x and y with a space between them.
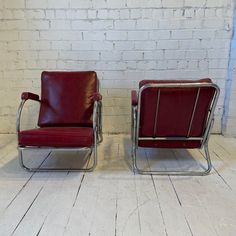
pixel 19 111
pixel 97 120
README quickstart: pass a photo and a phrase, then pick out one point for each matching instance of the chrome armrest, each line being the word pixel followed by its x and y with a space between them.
pixel 97 120
pixel 19 111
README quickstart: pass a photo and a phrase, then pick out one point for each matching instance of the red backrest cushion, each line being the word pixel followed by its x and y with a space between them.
pixel 67 98
pixel 175 110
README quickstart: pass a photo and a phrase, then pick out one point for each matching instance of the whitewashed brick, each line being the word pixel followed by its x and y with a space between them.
pixel 35 14
pixel 174 54
pixel 102 14
pixel 190 44
pixel 196 54
pixel 103 24
pixel 50 14
pixel 150 45
pixel 124 41
pixel 111 56
pixel 223 34
pixel 154 55
pixel 102 45
pixel 18 14
pixel 61 45
pixel 124 14
pixel 113 14
pixel 217 53
pixel 132 55
pixel 61 35
pixel 165 24
pixel 181 34
pixel 146 24
pixel 203 33
pixel 124 45
pixel 18 45
pixel 193 64
pixel 173 4
pixel 80 4
pixel 94 35
pixel 137 35
pixel 146 65
pixel 182 64
pixel 203 65
pixel 211 12
pixel 92 14
pixel 48 55
pixel 135 13
pixel 40 45
pixel 199 12
pixel 82 45
pixel 76 14
pixel 116 35
pixel 8 35
pixel 28 35
pixel 38 24
pixel 213 23
pixel 61 14
pixel 159 34
pixel 214 43
pixel 191 24
pixel 14 3
pixel 124 24
pixel 88 55
pixel 81 25
pixel 189 13
pixel 6 14
pixel 218 63
pixel 60 24
pixel 170 44
pixel 116 4
pixel 36 4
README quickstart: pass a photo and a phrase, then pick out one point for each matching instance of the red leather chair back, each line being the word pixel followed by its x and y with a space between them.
pixel 175 110
pixel 67 98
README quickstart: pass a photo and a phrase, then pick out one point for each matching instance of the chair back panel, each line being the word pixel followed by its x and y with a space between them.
pixel 174 113
pixel 67 98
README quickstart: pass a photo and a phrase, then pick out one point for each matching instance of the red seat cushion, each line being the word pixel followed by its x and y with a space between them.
pixel 57 137
pixel 67 98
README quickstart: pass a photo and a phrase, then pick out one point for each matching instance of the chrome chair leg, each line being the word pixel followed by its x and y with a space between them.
pixel 40 169
pixel 183 173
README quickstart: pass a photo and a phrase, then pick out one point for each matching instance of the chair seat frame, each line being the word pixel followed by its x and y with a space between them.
pixel 136 108
pixel 97 133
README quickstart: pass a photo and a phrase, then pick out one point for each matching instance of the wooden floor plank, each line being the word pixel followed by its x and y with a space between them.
pixel 112 200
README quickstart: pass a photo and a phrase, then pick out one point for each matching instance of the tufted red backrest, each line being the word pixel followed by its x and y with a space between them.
pixel 67 98
pixel 175 109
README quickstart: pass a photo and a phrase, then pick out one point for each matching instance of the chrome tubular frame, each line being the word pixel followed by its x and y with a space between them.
pixel 97 132
pixel 204 139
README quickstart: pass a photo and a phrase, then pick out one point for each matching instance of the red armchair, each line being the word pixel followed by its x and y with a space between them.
pixel 173 114
pixel 69 116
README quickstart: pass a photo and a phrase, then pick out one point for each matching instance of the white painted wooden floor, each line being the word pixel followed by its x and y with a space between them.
pixel 112 200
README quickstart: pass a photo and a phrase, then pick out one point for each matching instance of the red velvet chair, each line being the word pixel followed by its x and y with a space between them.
pixel 173 114
pixel 69 117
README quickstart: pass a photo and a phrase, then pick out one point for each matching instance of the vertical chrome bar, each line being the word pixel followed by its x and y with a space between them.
pixel 193 113
pixel 157 108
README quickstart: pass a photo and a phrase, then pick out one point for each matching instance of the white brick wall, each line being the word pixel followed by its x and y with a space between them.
pixel 125 41
pixel 229 115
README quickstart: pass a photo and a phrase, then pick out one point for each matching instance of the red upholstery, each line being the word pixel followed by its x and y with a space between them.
pixel 134 98
pixel 97 97
pixel 174 113
pixel 57 137
pixel 28 95
pixel 67 98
